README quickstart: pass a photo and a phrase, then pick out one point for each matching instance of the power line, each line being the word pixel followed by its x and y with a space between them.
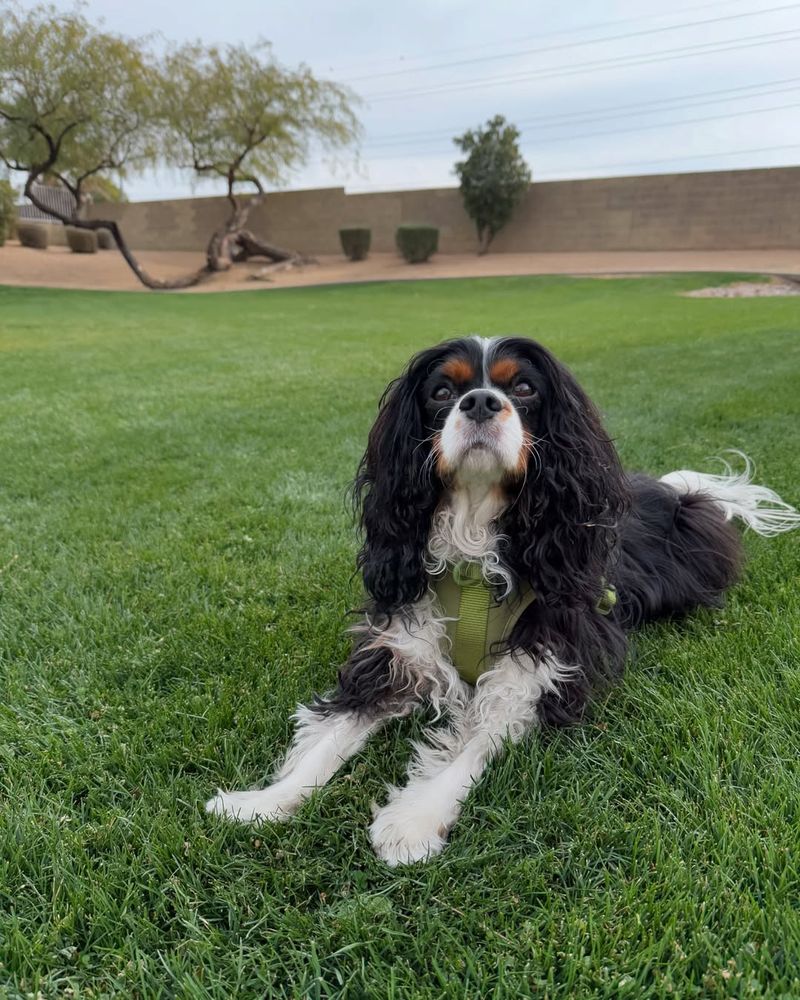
pixel 593 26
pixel 680 159
pixel 619 111
pixel 680 121
pixel 621 131
pixel 572 45
pixel 619 62
pixel 623 165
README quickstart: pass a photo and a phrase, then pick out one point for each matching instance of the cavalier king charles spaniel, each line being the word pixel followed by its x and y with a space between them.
pixel 506 557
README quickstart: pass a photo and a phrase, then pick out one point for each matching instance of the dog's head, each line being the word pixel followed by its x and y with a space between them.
pixel 504 411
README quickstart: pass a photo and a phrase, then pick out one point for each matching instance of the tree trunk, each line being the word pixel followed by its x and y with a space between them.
pixel 233 244
pixel 187 281
pixel 484 239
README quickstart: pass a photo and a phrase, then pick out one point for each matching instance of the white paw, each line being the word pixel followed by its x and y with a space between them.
pixel 271 803
pixel 402 835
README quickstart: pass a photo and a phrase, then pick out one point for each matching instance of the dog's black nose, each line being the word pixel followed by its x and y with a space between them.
pixel 480 405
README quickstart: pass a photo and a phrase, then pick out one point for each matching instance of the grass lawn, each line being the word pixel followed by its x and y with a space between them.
pixel 175 571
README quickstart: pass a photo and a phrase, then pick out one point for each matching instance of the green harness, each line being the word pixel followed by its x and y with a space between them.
pixel 476 621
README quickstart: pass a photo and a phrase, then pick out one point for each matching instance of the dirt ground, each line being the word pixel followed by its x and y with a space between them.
pixel 58 267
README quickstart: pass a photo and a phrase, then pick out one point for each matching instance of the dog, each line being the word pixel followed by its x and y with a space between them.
pixel 506 556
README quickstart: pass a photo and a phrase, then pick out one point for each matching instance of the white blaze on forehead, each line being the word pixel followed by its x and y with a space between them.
pixel 486 346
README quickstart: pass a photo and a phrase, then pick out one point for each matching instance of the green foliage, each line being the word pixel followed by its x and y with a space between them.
pixel 235 112
pixel 74 100
pixel 417 243
pixel 33 234
pixel 355 242
pixel 176 571
pixel 8 205
pixel 494 176
pixel 102 191
pixel 105 241
pixel 81 240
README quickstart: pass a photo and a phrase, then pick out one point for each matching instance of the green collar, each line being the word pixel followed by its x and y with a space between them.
pixel 476 621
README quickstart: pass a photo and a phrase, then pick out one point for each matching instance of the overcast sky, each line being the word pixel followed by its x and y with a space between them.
pixel 597 88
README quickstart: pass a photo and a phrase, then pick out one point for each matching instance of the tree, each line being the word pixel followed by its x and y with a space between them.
pixel 494 176
pixel 74 103
pixel 237 114
pixel 102 191
pixel 77 103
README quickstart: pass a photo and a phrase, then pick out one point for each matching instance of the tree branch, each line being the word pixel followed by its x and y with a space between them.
pixel 186 282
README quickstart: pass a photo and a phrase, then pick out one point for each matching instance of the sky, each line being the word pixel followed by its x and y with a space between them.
pixel 597 89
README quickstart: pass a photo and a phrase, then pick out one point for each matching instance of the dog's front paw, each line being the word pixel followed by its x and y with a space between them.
pixel 401 835
pixel 266 804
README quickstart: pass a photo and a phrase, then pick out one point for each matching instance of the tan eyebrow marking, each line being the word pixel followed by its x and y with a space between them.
pixel 504 370
pixel 459 370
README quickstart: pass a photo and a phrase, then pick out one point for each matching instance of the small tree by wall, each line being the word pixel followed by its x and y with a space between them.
pixel 237 114
pixel 8 200
pixel 494 176
pixel 74 104
pixel 78 103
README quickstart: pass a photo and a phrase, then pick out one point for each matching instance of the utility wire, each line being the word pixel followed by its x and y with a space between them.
pixel 571 45
pixel 577 117
pixel 623 165
pixel 619 62
pixel 592 26
pixel 680 159
pixel 622 131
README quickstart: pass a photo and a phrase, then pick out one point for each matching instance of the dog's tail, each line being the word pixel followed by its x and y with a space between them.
pixel 759 507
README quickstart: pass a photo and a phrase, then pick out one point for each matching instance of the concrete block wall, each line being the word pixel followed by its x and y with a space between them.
pixel 736 209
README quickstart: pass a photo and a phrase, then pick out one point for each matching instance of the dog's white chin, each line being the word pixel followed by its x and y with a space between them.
pixel 491 450
pixel 481 461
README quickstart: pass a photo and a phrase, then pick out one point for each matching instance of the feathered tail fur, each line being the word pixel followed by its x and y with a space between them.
pixel 759 507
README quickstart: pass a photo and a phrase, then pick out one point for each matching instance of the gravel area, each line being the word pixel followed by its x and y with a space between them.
pixel 746 290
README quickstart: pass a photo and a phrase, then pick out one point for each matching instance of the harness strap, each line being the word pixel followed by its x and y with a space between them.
pixel 469 641
pixel 475 621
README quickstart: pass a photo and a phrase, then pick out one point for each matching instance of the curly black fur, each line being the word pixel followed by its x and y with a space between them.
pixel 397 490
pixel 366 684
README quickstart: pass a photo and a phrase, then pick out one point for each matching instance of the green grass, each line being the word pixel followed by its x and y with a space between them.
pixel 175 570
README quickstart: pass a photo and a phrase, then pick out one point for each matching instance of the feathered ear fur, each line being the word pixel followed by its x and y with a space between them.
pixel 562 526
pixel 397 490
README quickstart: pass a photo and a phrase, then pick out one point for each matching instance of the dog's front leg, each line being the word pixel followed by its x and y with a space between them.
pixel 327 734
pixel 322 743
pixel 417 819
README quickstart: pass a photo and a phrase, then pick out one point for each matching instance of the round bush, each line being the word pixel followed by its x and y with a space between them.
pixel 105 240
pixel 81 240
pixel 355 242
pixel 32 234
pixel 417 243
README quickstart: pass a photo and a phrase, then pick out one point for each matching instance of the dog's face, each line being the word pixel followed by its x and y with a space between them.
pixel 504 411
pixel 480 401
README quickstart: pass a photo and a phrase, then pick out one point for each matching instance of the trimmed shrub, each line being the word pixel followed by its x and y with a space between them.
pixel 81 240
pixel 105 240
pixel 32 234
pixel 7 210
pixel 417 243
pixel 355 242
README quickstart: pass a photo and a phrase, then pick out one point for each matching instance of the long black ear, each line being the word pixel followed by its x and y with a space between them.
pixel 397 490
pixel 564 521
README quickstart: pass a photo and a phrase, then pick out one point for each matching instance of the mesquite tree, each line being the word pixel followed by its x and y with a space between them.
pixel 237 114
pixel 75 102
pixel 494 176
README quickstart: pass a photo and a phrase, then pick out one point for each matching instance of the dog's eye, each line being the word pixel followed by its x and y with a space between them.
pixel 442 393
pixel 523 388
